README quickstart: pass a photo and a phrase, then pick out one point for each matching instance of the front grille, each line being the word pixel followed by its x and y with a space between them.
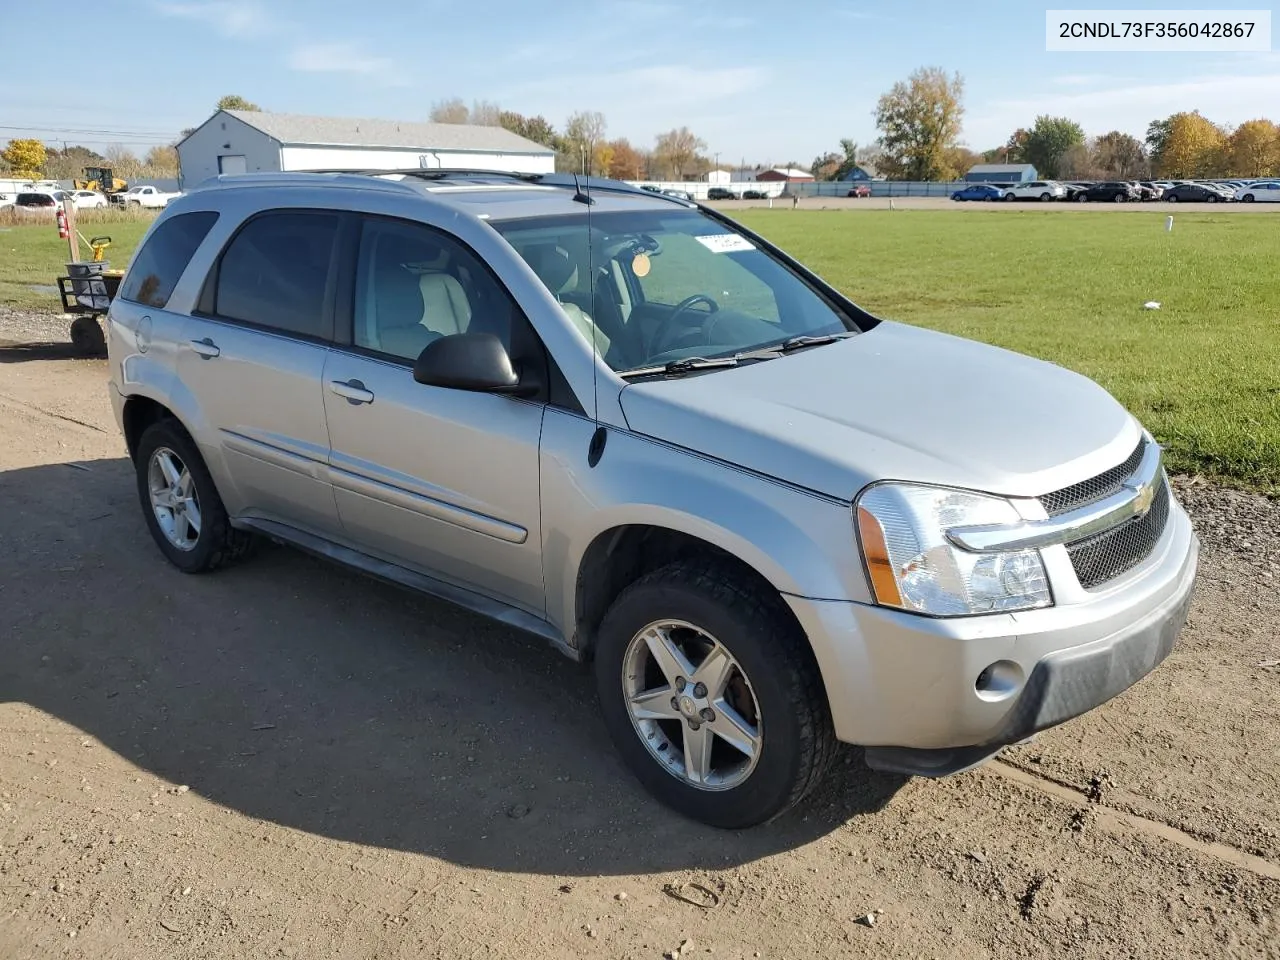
pixel 1095 488
pixel 1106 555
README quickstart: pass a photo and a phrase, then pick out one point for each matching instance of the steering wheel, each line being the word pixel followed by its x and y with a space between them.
pixel 667 338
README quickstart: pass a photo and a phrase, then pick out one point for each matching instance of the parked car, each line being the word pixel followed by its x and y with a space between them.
pixel 145 196
pixel 1196 193
pixel 679 194
pixel 721 193
pixel 1044 190
pixel 1264 191
pixel 978 191
pixel 754 195
pixel 1148 190
pixel 1116 191
pixel 88 199
pixel 1074 189
pixel 861 190
pixel 44 203
pixel 701 492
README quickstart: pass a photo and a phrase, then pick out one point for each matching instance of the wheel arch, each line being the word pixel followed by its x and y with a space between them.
pixel 623 553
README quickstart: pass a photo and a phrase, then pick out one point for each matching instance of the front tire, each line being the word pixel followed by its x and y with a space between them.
pixel 1248 198
pixel 711 694
pixel 1081 198
pixel 181 504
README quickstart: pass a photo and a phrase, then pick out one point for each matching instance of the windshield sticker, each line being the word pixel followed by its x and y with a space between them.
pixel 640 265
pixel 726 243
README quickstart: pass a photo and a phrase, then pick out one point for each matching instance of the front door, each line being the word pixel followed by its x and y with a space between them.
pixel 254 361
pixel 445 481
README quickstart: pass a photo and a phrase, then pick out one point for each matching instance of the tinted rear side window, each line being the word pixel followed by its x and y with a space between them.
pixel 160 262
pixel 35 200
pixel 274 273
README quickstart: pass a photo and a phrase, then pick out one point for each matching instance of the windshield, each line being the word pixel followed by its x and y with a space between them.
pixel 669 285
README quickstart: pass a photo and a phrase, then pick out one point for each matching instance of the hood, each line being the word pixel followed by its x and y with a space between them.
pixel 894 403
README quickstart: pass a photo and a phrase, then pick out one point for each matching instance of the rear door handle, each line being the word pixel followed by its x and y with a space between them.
pixel 353 390
pixel 205 347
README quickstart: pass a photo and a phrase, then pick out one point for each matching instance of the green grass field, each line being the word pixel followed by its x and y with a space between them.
pixel 1203 372
pixel 32 256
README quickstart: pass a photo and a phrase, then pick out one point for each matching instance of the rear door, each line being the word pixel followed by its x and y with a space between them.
pixel 441 480
pixel 253 357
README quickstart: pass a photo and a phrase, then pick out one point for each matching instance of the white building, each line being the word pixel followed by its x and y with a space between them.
pixel 246 141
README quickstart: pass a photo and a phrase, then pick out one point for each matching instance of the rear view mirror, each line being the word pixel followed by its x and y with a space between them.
pixel 469 361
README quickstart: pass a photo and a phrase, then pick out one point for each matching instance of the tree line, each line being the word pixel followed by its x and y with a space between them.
pixel 920 118
pixel 582 145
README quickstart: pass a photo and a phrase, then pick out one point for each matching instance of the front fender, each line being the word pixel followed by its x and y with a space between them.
pixel 802 543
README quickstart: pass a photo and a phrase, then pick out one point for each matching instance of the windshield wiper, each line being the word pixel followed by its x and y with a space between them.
pixel 681 366
pixel 799 343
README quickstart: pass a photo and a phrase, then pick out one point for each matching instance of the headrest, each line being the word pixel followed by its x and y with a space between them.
pixel 551 264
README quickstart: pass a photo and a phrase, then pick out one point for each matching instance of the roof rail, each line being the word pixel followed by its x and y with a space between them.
pixel 566 180
pixel 282 177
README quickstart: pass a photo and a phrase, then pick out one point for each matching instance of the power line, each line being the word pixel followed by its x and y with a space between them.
pixel 117 131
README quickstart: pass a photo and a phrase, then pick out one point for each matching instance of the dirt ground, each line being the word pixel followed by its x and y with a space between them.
pixel 289 760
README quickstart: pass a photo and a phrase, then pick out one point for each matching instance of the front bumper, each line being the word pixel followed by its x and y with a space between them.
pixel 908 685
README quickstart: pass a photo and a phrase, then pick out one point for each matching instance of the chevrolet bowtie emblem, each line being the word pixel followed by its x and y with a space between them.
pixel 1144 496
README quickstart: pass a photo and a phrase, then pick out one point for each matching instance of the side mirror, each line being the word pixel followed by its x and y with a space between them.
pixel 470 361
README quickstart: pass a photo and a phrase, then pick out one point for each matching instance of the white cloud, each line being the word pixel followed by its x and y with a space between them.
pixel 1227 98
pixel 232 18
pixel 346 58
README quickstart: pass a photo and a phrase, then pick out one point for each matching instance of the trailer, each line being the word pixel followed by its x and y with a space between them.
pixel 87 290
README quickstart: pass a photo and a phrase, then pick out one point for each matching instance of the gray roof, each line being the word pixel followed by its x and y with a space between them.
pixel 1001 167
pixel 294 128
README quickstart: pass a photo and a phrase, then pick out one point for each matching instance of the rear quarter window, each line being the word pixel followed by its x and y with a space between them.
pixel 160 263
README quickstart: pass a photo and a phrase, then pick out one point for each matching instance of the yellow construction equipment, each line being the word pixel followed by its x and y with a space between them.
pixel 103 180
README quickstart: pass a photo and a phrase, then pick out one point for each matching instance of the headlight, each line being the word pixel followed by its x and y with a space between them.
pixel 911 564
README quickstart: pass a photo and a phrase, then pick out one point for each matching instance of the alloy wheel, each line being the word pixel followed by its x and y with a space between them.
pixel 174 499
pixel 692 705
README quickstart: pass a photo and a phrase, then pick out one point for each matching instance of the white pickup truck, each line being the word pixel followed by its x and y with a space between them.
pixel 147 196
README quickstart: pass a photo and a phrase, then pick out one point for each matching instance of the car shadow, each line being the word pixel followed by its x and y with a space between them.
pixel 298 692
pixel 25 352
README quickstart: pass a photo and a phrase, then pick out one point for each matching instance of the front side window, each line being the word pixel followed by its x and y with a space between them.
pixel 649 287
pixel 159 264
pixel 415 285
pixel 274 272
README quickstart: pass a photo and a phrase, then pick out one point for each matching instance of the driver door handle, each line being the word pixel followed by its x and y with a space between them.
pixel 206 348
pixel 352 390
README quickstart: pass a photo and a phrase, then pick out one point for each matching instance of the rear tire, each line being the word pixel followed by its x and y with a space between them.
pixel 1045 197
pixel 773 692
pixel 1212 198
pixel 1081 198
pixel 194 540
pixel 1119 198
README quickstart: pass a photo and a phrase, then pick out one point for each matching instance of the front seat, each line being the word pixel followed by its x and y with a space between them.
pixel 445 307
pixel 558 273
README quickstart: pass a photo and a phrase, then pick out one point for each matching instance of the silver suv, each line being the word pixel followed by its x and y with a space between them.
pixel 627 424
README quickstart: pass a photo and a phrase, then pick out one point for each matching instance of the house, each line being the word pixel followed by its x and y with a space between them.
pixel 1001 173
pixel 785 174
pixel 246 141
pixel 862 172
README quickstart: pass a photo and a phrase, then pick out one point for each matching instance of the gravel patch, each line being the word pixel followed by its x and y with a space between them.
pixel 1245 525
pixel 33 326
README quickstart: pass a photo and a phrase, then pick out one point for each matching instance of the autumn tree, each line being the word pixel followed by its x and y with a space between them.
pixel 24 158
pixel 1253 150
pixel 537 129
pixel 1047 140
pixel 1189 146
pixel 919 119
pixel 676 152
pixel 836 166
pixel 484 113
pixel 1015 148
pixel 583 133
pixel 123 162
pixel 959 160
pixel 161 161
pixel 1119 156
pixel 626 162
pixel 452 110
pixel 233 101
pixel 1079 162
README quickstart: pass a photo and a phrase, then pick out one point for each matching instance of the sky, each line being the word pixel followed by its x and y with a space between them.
pixel 765 82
